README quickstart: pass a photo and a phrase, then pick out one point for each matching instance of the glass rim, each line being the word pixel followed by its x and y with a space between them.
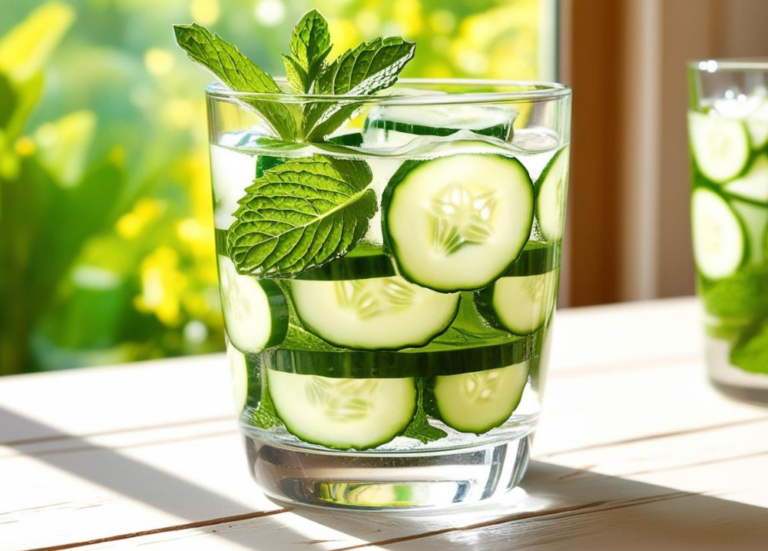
pixel 537 91
pixel 712 65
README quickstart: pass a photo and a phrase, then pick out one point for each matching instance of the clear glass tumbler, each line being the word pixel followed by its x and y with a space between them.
pixel 728 130
pixel 388 291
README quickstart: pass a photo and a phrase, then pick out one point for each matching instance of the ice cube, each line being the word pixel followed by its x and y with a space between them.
pixel 231 172
pixel 392 126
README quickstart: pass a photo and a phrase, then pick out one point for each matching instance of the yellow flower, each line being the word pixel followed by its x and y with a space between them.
pixel 25 146
pixel 408 15
pixel 205 12
pixel 132 224
pixel 345 36
pixel 158 61
pixel 162 286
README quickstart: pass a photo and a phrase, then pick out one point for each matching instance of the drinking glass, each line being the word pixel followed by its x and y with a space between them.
pixel 728 130
pixel 389 349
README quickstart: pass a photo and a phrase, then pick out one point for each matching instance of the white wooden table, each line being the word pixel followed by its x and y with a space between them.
pixel 635 452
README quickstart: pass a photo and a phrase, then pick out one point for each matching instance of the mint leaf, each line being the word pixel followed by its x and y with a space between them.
pixel 301 214
pixel 296 75
pixel 265 416
pixel 750 352
pixel 370 67
pixel 310 45
pixel 240 74
pixel 419 427
pixel 743 295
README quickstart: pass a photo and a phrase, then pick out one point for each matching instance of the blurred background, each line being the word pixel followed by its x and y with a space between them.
pixel 106 234
pixel 106 245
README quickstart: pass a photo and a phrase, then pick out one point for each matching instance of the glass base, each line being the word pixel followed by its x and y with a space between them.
pixel 363 481
pixel 730 380
pixel 745 394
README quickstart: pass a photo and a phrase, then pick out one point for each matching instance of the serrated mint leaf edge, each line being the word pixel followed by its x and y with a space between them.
pixel 295 75
pixel 310 45
pixel 321 119
pixel 363 202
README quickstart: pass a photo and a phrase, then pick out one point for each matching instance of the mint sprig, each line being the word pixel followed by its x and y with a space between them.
pixel 361 71
pixel 265 416
pixel 300 215
pixel 240 74
pixel 310 45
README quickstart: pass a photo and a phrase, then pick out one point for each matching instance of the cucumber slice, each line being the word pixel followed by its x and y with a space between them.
pixel 343 413
pixel 757 126
pixel 520 305
pixel 719 242
pixel 479 402
pixel 363 262
pixel 536 258
pixel 255 310
pixel 397 125
pixel 238 367
pixel 754 219
pixel 753 186
pixel 456 223
pixel 719 145
pixel 385 313
pixel 231 172
pixel 432 360
pixel 551 194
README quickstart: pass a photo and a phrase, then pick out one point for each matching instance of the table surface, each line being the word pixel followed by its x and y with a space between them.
pixel 635 451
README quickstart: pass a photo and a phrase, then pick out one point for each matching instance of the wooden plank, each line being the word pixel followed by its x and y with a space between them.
pixel 93 492
pixel 625 405
pixel 601 512
pixel 606 337
pixel 106 399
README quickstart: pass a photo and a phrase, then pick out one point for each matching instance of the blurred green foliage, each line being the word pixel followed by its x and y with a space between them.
pixel 106 242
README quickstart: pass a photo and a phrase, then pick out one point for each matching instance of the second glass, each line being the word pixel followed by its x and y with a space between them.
pixel 391 350
pixel 728 128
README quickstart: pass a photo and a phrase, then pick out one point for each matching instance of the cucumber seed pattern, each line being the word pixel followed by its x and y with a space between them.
pixel 481 386
pixel 534 287
pixel 343 399
pixel 461 217
pixel 370 298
